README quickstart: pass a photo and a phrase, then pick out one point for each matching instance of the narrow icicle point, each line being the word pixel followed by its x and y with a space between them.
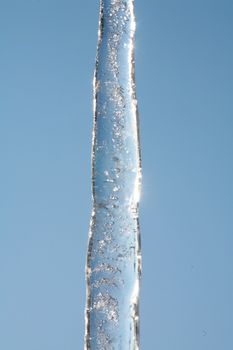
pixel 114 257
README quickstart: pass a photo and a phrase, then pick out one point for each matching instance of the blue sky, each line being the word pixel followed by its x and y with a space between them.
pixel 184 55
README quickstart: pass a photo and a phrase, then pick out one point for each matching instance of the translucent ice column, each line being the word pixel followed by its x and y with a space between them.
pixel 114 258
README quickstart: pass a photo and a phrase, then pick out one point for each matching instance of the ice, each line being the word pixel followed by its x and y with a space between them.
pixel 114 255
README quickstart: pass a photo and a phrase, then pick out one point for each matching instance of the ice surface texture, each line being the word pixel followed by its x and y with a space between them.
pixel 114 257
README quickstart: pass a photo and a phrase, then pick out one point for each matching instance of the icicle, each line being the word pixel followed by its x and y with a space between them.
pixel 114 257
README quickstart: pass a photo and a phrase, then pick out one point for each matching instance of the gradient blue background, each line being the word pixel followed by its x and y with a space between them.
pixel 184 55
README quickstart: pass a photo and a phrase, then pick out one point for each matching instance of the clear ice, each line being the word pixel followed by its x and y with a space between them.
pixel 114 257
